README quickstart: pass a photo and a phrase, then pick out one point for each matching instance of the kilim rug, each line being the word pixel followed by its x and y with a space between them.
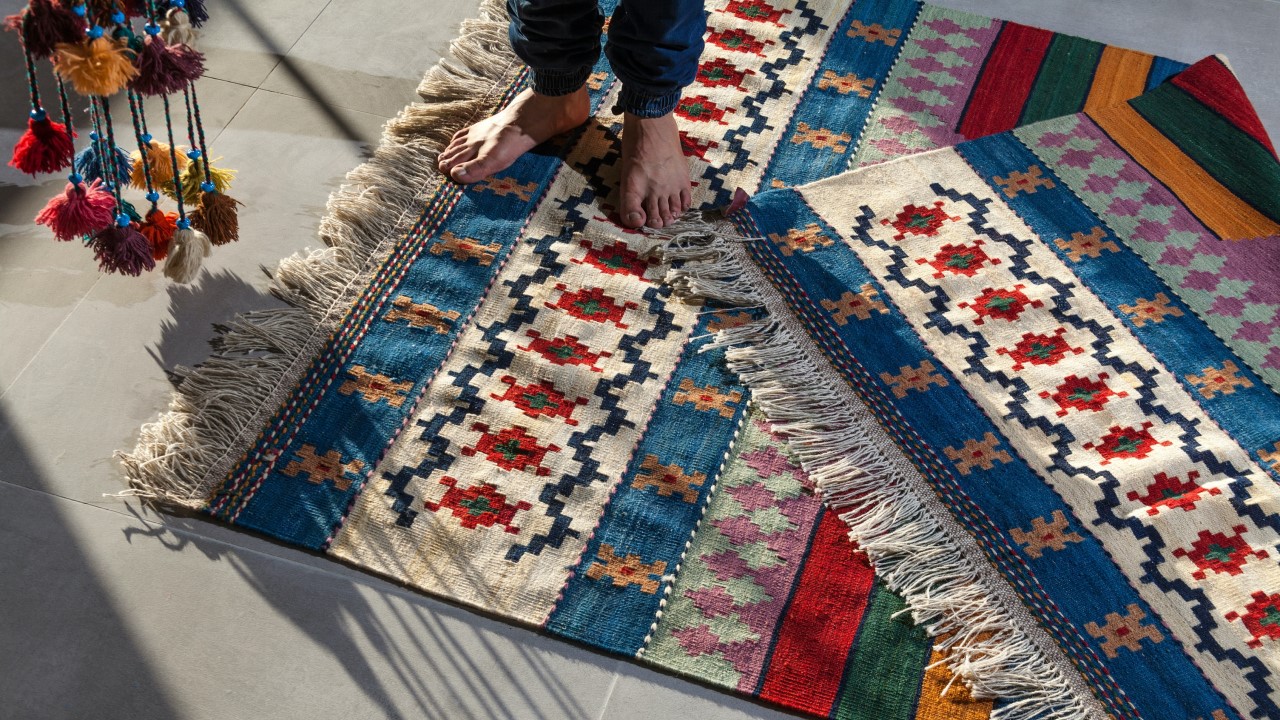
pixel 487 393
pixel 1068 377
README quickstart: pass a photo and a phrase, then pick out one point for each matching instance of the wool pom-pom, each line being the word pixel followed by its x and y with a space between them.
pixel 90 166
pixel 176 28
pixel 158 228
pixel 81 210
pixel 164 68
pixel 216 217
pixel 44 148
pixel 158 161
pixel 195 9
pixel 193 177
pixel 100 66
pixel 44 24
pixel 187 251
pixel 122 250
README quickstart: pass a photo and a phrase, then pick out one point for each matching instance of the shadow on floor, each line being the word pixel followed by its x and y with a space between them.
pixel 394 644
pixel 64 642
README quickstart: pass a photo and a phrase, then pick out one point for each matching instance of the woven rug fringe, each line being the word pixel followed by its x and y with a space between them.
pixel 993 645
pixel 259 355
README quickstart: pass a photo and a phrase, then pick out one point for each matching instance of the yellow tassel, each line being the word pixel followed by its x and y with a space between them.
pixel 193 175
pixel 159 163
pixel 98 67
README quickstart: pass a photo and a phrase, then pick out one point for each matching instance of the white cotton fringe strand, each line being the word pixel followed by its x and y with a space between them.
pixel 221 404
pixel 916 547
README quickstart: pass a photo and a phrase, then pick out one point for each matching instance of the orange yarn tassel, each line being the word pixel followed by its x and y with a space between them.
pixel 158 228
pixel 159 164
pixel 100 66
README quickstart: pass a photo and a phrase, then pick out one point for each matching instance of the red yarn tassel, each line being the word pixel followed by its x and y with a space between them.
pixel 44 148
pixel 81 210
pixel 158 227
pixel 43 24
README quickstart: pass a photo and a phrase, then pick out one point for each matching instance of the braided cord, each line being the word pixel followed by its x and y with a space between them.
pixel 173 156
pixel 111 160
pixel 201 159
pixel 204 147
pixel 32 85
pixel 144 147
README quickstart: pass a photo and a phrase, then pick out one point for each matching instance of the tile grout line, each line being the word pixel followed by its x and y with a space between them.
pixel 294 44
pixel 49 339
pixel 608 694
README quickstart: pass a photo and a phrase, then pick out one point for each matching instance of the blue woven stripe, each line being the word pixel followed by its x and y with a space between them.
pixel 300 512
pixel 1084 582
pixel 797 163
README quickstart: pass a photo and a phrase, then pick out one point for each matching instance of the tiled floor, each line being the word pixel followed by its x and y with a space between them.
pixel 109 611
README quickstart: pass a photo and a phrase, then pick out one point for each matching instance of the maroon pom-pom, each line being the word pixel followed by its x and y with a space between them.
pixel 165 69
pixel 123 250
pixel 45 23
pixel 44 148
pixel 81 210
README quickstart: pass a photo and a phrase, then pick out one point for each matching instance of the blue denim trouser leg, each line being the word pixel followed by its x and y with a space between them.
pixel 653 47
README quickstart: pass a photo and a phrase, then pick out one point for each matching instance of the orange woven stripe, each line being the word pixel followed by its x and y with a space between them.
pixel 957 704
pixel 1222 211
pixel 1121 75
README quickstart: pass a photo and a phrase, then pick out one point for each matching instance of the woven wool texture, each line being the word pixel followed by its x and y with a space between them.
pixel 1036 356
pixel 509 409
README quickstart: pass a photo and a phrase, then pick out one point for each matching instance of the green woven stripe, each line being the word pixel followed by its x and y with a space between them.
pixel 883 676
pixel 1065 78
pixel 1233 158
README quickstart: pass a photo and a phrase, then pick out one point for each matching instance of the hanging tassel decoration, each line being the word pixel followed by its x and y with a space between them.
pixel 158 228
pixel 193 177
pixel 154 158
pixel 83 209
pixel 99 66
pixel 45 147
pixel 194 8
pixel 90 163
pixel 120 248
pixel 44 24
pixel 176 28
pixel 216 216
pixel 187 251
pixel 165 68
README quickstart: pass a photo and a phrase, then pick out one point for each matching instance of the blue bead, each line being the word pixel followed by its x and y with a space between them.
pixel 152 29
pixel 117 17
pixel 80 10
pixel 178 3
pixel 208 186
pixel 153 196
pixel 93 135
pixel 183 224
pixel 194 153
pixel 75 178
pixel 146 138
pixel 123 220
pixel 39 114
pixel 95 32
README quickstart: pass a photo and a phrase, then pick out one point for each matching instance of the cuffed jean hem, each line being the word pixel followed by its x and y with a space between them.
pixel 646 105
pixel 553 83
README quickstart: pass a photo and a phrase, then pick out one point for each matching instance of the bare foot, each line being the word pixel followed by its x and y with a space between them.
pixel 491 145
pixel 655 174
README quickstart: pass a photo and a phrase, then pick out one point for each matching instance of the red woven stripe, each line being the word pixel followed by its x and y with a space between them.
pixel 1213 84
pixel 1007 78
pixel 821 622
